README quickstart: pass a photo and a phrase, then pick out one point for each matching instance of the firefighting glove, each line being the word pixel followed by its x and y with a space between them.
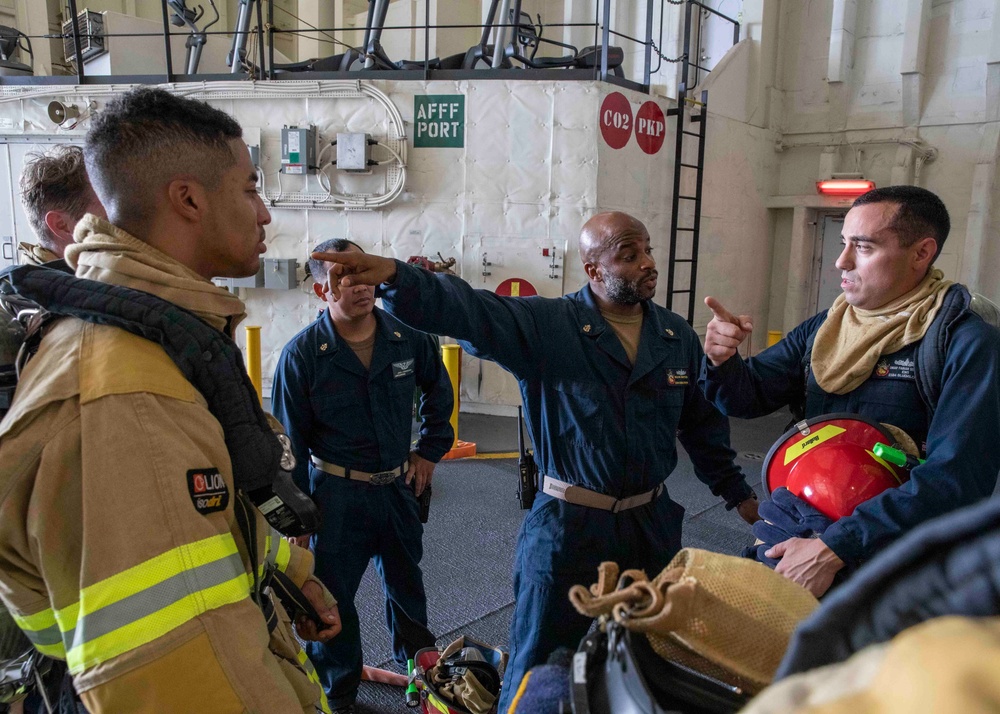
pixel 786 516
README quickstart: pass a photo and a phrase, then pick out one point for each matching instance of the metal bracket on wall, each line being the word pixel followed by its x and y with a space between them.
pixel 555 264
pixel 8 249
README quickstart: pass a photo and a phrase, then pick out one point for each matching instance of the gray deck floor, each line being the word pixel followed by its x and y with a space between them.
pixel 469 540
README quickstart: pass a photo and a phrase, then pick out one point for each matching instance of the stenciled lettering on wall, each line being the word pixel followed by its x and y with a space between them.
pixel 650 127
pixel 439 121
pixel 618 123
pixel 616 120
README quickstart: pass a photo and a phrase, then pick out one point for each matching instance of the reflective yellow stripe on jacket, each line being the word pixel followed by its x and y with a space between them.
pixel 278 551
pixel 141 604
pixel 42 630
pixel 324 704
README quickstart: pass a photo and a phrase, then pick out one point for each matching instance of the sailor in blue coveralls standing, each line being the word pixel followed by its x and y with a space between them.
pixel 344 390
pixel 609 384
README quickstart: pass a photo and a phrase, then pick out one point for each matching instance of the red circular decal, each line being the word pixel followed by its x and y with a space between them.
pixel 650 127
pixel 616 120
pixel 516 287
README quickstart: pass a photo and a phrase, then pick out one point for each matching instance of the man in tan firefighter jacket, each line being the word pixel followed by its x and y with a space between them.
pixel 119 548
pixel 55 194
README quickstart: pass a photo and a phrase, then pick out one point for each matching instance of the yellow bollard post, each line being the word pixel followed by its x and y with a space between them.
pixel 773 337
pixel 253 360
pixel 451 355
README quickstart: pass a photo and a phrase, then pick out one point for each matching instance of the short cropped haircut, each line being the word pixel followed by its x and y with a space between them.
pixel 146 138
pixel 55 180
pixel 920 213
pixel 333 245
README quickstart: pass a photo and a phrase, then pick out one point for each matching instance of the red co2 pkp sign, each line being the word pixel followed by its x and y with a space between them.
pixel 618 124
pixel 650 127
pixel 616 120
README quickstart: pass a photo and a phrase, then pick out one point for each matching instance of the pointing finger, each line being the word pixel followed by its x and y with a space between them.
pixel 723 315
pixel 720 311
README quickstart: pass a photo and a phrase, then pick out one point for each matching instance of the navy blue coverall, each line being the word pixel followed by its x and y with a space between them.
pixel 958 437
pixel 596 421
pixel 335 409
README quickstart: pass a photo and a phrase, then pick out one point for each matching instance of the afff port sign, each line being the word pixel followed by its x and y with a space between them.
pixel 439 121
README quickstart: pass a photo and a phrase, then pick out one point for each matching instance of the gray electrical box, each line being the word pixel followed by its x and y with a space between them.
pixel 279 273
pixel 353 152
pixel 254 154
pixel 298 150
pixel 252 281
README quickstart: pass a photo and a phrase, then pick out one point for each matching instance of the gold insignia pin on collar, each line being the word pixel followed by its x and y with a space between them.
pixel 397 334
pixel 586 328
pixel 669 331
pixel 322 347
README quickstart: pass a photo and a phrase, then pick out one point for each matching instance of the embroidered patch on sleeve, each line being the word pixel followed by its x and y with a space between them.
pixel 209 492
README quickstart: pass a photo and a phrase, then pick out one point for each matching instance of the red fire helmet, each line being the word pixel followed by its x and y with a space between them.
pixel 828 462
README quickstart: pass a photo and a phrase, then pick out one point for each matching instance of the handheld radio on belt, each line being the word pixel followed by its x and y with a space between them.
pixel 289 511
pixel 527 470
pixel 425 504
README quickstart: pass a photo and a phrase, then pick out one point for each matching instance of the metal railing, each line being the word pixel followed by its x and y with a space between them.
pixel 261 64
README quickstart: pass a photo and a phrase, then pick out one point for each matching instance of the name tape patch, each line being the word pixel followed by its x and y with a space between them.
pixel 896 368
pixel 677 377
pixel 209 492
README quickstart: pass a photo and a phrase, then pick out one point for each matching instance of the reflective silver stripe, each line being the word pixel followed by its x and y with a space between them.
pixel 152 599
pixel 44 638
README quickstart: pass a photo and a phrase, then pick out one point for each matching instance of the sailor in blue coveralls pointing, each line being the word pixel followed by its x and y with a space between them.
pixel 344 390
pixel 608 380
pixel 900 346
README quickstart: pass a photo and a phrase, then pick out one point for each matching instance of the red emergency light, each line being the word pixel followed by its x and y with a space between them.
pixel 844 187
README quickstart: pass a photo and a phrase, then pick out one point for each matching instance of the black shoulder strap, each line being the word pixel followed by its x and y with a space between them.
pixel 211 361
pixel 933 348
pixel 798 407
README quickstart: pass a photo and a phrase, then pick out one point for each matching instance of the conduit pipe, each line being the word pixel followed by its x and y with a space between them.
pixel 253 89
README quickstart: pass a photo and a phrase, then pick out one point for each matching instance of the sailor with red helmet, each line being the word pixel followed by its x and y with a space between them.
pixel 900 346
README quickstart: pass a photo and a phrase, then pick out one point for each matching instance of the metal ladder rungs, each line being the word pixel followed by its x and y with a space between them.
pixel 690 133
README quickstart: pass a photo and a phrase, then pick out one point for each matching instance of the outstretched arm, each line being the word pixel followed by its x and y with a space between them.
pixel 501 329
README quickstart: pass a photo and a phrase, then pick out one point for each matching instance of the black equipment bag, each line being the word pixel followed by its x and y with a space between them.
pixel 618 672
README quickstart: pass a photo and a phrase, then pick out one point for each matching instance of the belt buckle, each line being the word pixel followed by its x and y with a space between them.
pixel 383 478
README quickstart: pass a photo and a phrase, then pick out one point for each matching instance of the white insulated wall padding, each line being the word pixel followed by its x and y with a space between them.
pixel 532 169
